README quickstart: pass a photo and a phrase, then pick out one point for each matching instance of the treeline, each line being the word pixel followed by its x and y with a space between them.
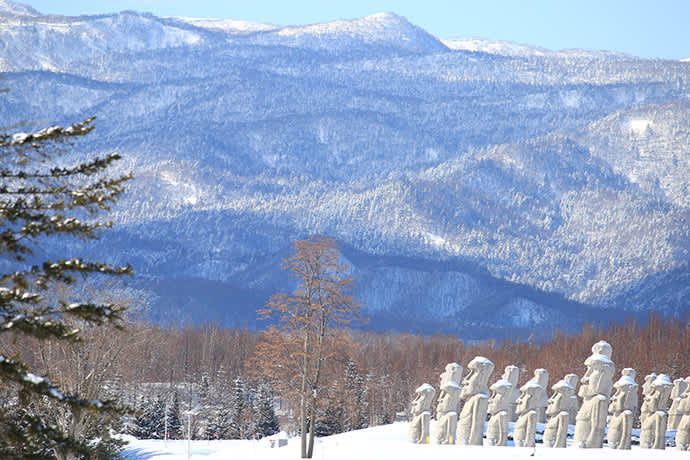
pixel 213 372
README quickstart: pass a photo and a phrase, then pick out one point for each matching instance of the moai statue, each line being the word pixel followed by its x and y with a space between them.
pixel 475 393
pixel 622 409
pixel 655 405
pixel 421 414
pixel 573 404
pixel 447 412
pixel 511 374
pixel 541 378
pixel 633 402
pixel 499 407
pixel 556 429
pixel 674 413
pixel 683 429
pixel 595 391
pixel 453 373
pixel 647 390
pixel 525 428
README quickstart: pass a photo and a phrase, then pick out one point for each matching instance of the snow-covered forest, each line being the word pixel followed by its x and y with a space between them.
pixel 464 182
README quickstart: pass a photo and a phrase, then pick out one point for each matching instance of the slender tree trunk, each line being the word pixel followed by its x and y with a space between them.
pixel 312 426
pixel 303 427
pixel 305 397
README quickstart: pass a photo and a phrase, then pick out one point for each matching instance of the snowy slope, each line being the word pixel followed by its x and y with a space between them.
pixel 509 48
pixel 58 43
pixel 377 443
pixel 231 26
pixel 473 192
pixel 382 29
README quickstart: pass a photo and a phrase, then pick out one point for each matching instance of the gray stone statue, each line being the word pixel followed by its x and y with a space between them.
pixel 512 374
pixel 525 428
pixel 647 390
pixel 633 402
pixel 595 391
pixel 655 405
pixel 683 429
pixel 475 393
pixel 453 373
pixel 447 412
pixel 674 412
pixel 421 414
pixel 573 404
pixel 556 429
pixel 622 409
pixel 499 407
pixel 541 378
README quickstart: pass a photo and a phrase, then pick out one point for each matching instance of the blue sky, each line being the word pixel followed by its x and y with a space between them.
pixel 647 28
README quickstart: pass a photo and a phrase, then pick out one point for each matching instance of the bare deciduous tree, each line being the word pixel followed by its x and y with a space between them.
pixel 304 335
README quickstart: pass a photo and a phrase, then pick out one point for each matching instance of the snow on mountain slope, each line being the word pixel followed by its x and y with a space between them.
pixel 56 43
pixel 509 48
pixel 504 48
pixel 231 26
pixel 382 29
pixel 491 184
pixel 648 145
pixel 9 7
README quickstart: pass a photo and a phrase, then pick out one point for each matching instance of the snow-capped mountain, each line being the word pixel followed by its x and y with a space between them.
pixel 509 48
pixel 479 188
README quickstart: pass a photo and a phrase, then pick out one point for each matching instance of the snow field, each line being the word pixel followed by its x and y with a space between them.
pixel 382 442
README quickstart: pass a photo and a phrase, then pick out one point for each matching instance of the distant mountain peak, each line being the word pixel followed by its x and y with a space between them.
pixel 232 26
pixel 513 49
pixel 7 6
pixel 387 29
pixel 500 47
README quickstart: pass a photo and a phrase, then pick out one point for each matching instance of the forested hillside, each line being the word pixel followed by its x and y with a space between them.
pixel 476 189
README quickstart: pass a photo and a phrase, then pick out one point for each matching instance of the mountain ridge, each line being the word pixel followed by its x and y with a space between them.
pixel 551 187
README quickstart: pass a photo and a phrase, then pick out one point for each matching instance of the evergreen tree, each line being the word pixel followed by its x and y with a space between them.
pixel 238 406
pixel 264 407
pixel 329 420
pixel 356 399
pixel 173 418
pixel 218 422
pixel 42 200
pixel 150 421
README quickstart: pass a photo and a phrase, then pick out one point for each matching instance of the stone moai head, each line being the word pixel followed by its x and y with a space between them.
pixel 453 373
pixel 476 381
pixel 598 380
pixel 541 376
pixel 602 348
pixel 422 402
pixel 647 385
pixel 529 398
pixel 679 387
pixel 657 400
pixel 572 380
pixel 621 400
pixel 449 398
pixel 559 400
pixel 511 374
pixel 684 406
pixel 629 372
pixel 500 396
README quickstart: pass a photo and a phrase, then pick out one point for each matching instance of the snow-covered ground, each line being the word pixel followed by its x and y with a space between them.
pixel 381 442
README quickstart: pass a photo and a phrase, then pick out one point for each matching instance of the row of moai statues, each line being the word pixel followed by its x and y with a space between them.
pixel 465 403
